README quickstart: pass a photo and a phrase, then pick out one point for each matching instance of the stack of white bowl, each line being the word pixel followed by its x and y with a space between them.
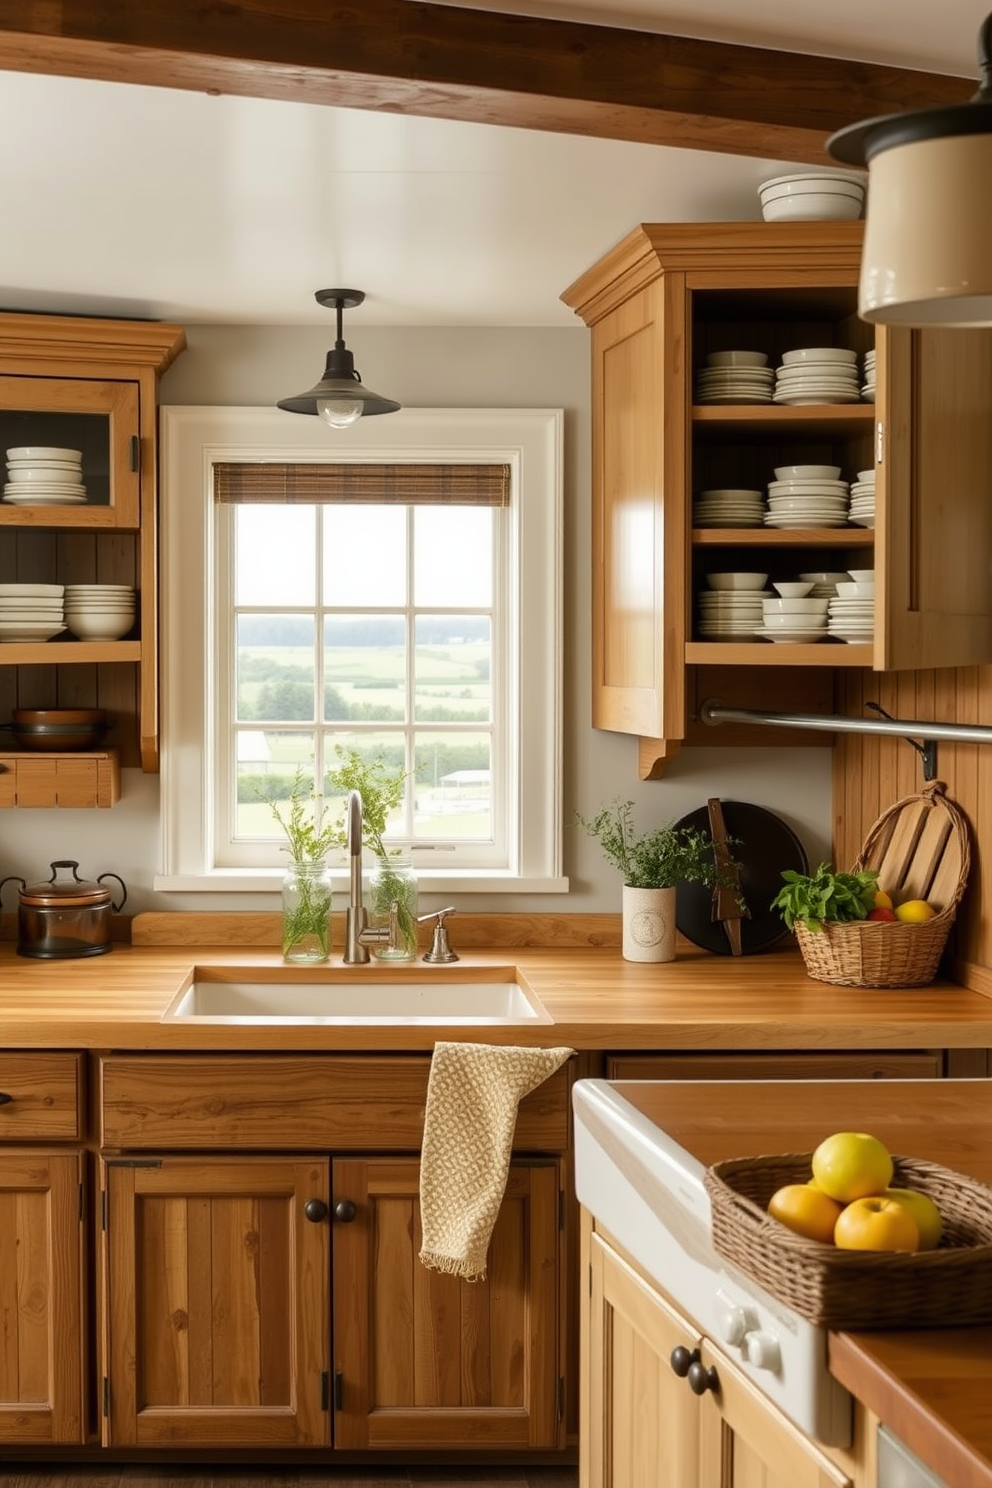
pixel 99 612
pixel 863 499
pixel 730 609
pixel 852 613
pixel 807 496
pixel 44 475
pixel 794 618
pixel 868 386
pixel 735 377
pixel 818 374
pixel 824 584
pixel 30 612
pixel 812 196
pixel 728 508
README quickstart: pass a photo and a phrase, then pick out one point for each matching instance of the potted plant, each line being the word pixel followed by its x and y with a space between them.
pixel 651 863
pixel 306 889
pixel 392 879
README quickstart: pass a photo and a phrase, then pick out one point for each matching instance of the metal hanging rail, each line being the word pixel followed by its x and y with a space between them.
pixel 713 712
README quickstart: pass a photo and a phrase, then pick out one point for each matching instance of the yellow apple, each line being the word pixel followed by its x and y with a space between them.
pixel 852 1165
pixel 806 1211
pixel 924 1211
pixel 876 1223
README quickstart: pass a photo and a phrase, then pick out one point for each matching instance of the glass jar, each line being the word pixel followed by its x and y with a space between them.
pixel 306 912
pixel 393 879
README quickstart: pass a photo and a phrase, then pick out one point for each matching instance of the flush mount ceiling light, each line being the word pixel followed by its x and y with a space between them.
pixel 927 256
pixel 339 396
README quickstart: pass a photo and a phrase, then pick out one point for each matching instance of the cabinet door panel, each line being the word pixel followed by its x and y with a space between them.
pixel 427 1360
pixel 217 1296
pixel 642 1417
pixel 41 1289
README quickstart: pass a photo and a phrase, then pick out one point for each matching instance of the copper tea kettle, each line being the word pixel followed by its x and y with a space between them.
pixel 65 916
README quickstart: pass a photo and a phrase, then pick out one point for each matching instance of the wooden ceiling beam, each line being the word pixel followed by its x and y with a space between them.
pixel 404 57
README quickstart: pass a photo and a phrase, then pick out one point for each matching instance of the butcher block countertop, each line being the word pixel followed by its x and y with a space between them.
pixel 932 1388
pixel 572 964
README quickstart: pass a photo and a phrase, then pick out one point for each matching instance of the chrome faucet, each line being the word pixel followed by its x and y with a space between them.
pixel 358 934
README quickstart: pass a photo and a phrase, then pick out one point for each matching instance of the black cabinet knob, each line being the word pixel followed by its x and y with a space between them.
pixel 345 1211
pixel 315 1210
pixel 682 1360
pixel 5 1099
pixel 702 1379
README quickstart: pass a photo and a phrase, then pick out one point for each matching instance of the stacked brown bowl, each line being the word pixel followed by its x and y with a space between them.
pixel 59 730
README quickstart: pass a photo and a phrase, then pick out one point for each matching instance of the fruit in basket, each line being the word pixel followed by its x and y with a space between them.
pixel 876 1223
pixel 924 1211
pixel 915 911
pixel 882 899
pixel 882 912
pixel 806 1211
pixel 852 1165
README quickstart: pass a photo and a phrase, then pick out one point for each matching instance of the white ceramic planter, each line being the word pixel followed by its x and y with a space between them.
pixel 648 924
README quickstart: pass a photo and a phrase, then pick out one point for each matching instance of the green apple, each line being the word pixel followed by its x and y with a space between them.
pixel 924 1211
pixel 852 1165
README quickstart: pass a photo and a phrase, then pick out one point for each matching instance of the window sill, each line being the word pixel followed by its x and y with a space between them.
pixel 269 881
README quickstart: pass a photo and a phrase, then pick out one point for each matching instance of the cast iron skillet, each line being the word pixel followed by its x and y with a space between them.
pixel 764 846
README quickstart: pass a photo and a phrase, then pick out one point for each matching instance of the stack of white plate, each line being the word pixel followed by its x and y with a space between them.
pixel 868 386
pixel 730 608
pixel 728 508
pixel 852 612
pixel 824 584
pixel 44 475
pixel 792 621
pixel 30 612
pixel 863 499
pixel 99 612
pixel 807 499
pixel 735 377
pixel 818 374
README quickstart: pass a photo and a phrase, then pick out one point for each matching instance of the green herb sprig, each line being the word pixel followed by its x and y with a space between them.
pixel 814 898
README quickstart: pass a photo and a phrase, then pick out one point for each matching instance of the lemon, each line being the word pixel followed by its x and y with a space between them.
pixel 914 911
pixel 882 899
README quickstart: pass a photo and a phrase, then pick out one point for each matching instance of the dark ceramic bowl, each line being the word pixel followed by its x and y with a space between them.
pixel 58 738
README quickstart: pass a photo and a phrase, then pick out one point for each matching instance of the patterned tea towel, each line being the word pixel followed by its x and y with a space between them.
pixel 472 1098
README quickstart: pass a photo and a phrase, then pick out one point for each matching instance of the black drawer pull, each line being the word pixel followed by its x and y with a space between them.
pixel 5 1099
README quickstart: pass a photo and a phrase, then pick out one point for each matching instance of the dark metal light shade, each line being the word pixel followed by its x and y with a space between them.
pixel 927 258
pixel 340 383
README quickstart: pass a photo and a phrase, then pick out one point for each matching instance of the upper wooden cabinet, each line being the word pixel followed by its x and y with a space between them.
pixel 657 304
pixel 88 385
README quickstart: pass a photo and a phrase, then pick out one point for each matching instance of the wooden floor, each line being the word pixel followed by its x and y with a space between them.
pixel 105 1475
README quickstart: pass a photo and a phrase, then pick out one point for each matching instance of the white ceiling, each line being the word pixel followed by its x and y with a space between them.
pixel 125 200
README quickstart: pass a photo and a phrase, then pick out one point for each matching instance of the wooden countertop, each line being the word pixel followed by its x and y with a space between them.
pixel 595 999
pixel 931 1387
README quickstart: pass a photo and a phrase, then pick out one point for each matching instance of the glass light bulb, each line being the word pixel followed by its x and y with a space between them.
pixel 340 413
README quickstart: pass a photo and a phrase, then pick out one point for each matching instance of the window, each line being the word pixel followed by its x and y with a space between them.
pixel 396 591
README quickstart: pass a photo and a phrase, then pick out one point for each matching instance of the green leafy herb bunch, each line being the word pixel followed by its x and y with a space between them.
pixel 814 898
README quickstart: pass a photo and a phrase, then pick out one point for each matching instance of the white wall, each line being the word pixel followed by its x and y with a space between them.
pixel 442 368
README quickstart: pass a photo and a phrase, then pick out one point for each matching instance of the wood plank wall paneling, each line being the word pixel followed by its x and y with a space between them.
pixel 872 772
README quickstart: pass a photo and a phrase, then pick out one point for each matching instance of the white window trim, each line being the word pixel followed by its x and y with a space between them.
pixel 194 438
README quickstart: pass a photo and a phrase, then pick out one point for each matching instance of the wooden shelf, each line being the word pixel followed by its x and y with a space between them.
pixel 775 537
pixel 794 420
pixel 68 653
pixel 766 653
pixel 81 779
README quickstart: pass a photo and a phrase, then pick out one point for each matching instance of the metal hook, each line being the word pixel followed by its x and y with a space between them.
pixel 927 750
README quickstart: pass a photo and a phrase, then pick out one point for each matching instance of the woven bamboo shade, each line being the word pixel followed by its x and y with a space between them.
pixel 343 482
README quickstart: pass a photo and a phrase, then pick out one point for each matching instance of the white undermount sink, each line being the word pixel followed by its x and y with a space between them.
pixel 354 997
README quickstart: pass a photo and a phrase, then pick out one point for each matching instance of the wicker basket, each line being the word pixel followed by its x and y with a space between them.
pixel 947 1287
pixel 920 849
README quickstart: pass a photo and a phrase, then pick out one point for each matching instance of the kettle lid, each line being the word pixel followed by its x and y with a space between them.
pixel 55 891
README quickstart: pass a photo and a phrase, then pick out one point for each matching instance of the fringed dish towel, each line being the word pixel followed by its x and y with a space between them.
pixel 472 1098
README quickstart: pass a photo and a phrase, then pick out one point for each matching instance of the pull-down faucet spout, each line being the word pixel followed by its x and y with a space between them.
pixel 359 935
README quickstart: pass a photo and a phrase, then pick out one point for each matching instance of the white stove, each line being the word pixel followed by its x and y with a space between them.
pixel 648 1191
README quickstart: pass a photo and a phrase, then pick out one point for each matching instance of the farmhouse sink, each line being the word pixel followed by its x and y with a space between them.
pixel 217 995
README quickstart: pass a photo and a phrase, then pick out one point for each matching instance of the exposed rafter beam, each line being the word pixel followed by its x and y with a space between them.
pixel 404 57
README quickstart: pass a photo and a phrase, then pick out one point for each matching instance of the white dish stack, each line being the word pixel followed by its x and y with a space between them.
pixel 728 508
pixel 795 618
pixel 852 612
pixel 44 475
pixel 735 377
pixel 30 612
pixel 863 499
pixel 807 496
pixel 730 608
pixel 818 374
pixel 868 386
pixel 99 612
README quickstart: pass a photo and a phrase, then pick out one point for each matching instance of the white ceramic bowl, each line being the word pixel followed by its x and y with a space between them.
pixel 737 359
pixel 855 591
pixel 794 589
pixel 737 580
pixel 862 575
pixel 794 620
pixel 825 578
pixel 807 472
pixel 43 452
pixel 99 627
pixel 794 606
pixel 823 206
pixel 730 494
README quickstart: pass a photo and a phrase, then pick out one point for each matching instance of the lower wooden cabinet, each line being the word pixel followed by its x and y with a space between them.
pixel 248 1304
pixel 42 1379
pixel 642 1425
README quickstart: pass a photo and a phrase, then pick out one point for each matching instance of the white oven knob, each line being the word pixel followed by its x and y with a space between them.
pixel 762 1350
pixel 733 1321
